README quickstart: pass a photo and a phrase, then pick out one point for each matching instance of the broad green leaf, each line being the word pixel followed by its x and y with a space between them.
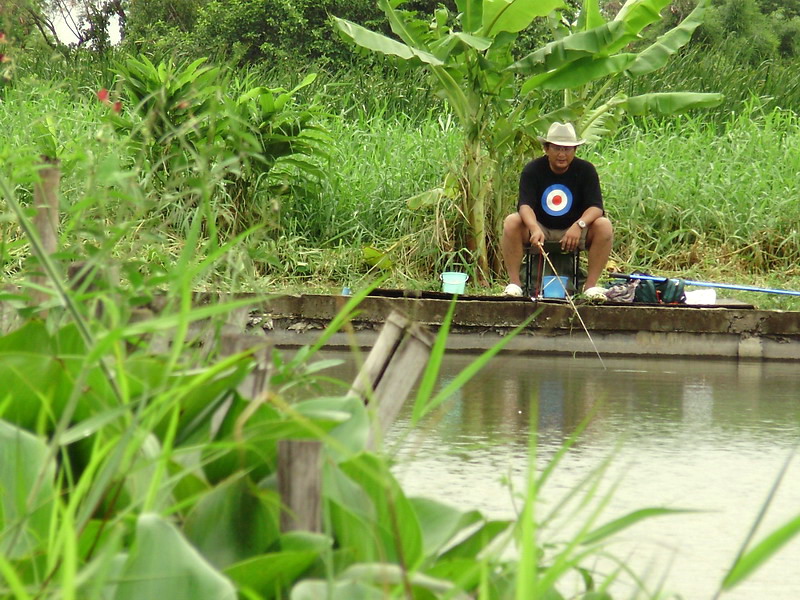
pixel 658 54
pixel 272 574
pixel 338 590
pixel 514 15
pixel 400 27
pixel 162 564
pixel 376 258
pixel 638 14
pixel 380 43
pixel 233 522
pixel 670 103
pixel 390 508
pixel 580 73
pixel 762 552
pixel 27 492
pixel 455 94
pixel 471 14
pixel 477 542
pixel 351 430
pixel 305 541
pixel 569 49
pixel 228 455
pixel 386 574
pixel 425 199
pixel 200 394
pixel 473 41
pixel 464 572
pixel 441 523
pixel 590 16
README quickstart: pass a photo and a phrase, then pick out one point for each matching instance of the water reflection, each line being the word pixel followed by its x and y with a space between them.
pixel 705 435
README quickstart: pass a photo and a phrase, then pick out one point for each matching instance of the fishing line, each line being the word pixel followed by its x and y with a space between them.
pixel 574 308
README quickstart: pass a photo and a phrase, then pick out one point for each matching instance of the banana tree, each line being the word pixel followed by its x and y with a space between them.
pixel 499 99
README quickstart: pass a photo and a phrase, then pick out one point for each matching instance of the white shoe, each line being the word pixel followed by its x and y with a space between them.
pixel 595 293
pixel 512 289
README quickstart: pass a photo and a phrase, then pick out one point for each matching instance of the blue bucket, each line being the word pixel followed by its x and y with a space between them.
pixel 453 283
pixel 554 287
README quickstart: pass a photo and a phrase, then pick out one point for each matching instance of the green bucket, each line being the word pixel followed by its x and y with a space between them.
pixel 453 282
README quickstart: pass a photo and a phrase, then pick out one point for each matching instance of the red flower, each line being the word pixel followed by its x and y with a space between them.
pixel 2 38
pixel 102 95
pixel 117 107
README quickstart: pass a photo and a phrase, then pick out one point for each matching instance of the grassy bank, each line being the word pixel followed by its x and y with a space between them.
pixel 706 196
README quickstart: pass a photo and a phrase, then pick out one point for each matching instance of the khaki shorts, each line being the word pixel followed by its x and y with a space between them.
pixel 555 235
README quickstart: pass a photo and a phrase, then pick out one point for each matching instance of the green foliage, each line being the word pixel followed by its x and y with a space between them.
pixel 740 24
pixel 250 30
pixel 475 70
pixel 161 27
pixel 261 137
pixel 171 104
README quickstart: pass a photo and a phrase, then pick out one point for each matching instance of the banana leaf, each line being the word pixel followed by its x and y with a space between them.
pixel 658 54
pixel 514 15
pixel 569 49
pixel 380 43
pixel 670 103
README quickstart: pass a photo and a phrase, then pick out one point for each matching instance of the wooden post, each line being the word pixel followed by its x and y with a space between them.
pixel 45 220
pixel 391 370
pixel 300 485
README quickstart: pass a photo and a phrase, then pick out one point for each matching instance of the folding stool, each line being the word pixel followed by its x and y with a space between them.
pixel 567 264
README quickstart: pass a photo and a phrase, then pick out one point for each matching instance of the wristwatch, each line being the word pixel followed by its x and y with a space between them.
pixel 582 224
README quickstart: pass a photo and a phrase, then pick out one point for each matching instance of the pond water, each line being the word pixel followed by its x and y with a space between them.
pixel 704 435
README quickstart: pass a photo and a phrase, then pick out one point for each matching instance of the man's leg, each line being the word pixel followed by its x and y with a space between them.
pixel 515 234
pixel 599 239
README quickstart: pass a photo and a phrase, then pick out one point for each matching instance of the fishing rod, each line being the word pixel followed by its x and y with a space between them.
pixel 727 286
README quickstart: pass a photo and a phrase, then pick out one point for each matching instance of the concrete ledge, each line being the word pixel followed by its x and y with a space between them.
pixel 739 332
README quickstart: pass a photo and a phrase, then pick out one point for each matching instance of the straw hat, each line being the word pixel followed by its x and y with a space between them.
pixel 561 134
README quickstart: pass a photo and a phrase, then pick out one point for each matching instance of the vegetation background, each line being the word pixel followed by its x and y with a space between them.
pixel 241 146
pixel 706 195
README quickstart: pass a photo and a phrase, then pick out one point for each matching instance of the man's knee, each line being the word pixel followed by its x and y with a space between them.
pixel 512 223
pixel 602 228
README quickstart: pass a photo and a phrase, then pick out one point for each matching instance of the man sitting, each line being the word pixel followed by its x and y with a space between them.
pixel 559 200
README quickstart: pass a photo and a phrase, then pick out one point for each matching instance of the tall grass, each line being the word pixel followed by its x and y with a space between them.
pixel 693 199
pixel 702 68
pixel 707 195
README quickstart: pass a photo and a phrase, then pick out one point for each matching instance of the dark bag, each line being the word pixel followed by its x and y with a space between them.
pixel 669 291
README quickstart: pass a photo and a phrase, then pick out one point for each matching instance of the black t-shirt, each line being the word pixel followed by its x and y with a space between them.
pixel 559 200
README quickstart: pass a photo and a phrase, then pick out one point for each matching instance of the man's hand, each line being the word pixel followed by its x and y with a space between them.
pixel 537 238
pixel 571 239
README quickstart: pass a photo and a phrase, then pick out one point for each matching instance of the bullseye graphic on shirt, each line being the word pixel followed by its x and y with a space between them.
pixel 557 200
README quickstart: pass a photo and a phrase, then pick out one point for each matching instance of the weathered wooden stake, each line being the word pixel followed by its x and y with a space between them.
pixel 391 370
pixel 45 220
pixel 300 484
